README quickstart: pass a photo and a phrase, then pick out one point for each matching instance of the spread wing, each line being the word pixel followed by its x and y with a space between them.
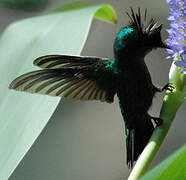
pixel 74 77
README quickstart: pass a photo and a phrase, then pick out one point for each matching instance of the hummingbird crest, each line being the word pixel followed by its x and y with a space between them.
pixel 139 36
pixel 143 27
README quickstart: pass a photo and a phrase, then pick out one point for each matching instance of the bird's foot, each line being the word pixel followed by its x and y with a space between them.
pixel 158 121
pixel 168 87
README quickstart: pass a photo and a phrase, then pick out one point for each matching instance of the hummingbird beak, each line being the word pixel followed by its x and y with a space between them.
pixel 156 35
pixel 163 45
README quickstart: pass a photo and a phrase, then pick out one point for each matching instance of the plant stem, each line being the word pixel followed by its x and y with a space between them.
pixel 171 103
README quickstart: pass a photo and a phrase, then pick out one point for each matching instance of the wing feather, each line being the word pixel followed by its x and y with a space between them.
pixel 61 61
pixel 87 91
pixel 74 77
pixel 103 95
pixel 98 95
pixel 92 91
pixel 72 90
pixel 59 85
pixel 30 84
pixel 80 90
pixel 66 86
pixel 47 83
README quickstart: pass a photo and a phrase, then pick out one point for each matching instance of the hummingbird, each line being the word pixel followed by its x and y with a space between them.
pixel 94 78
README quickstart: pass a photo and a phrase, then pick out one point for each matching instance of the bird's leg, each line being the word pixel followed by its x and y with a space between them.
pixel 158 121
pixel 168 87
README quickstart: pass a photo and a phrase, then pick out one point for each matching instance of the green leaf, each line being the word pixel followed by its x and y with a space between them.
pixel 174 167
pixel 23 115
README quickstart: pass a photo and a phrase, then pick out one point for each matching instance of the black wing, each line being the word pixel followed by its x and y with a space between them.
pixel 74 77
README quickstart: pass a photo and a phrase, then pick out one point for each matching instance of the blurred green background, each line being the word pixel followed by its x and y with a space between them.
pixel 85 140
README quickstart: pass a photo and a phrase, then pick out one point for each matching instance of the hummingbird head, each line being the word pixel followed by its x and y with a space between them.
pixel 138 38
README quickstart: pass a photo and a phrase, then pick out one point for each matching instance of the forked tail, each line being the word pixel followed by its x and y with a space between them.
pixel 137 139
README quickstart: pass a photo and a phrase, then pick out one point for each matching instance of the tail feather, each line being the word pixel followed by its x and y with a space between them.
pixel 130 148
pixel 137 140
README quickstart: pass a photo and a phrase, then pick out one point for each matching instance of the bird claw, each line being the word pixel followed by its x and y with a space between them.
pixel 157 121
pixel 168 87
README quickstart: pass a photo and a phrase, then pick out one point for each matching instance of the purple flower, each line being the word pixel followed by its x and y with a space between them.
pixel 177 31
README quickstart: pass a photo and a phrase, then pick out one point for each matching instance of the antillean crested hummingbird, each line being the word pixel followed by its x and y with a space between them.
pixel 94 78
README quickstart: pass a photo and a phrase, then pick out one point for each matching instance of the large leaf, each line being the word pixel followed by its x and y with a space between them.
pixel 23 115
pixel 173 168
